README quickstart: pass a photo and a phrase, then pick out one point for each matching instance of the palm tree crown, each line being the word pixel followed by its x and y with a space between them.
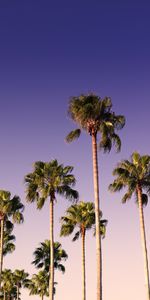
pixel 42 256
pixel 95 115
pixel 39 284
pixel 81 216
pixel 12 208
pixel 49 179
pixel 21 278
pixel 8 282
pixel 133 174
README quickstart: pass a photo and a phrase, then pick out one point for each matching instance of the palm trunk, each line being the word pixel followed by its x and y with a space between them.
pixel 143 239
pixel 1 248
pixel 97 217
pixel 42 297
pixel 51 277
pixel 83 266
pixel 4 295
pixel 17 292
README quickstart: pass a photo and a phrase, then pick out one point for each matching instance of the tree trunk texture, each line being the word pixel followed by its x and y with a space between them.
pixel 17 292
pixel 143 239
pixel 83 266
pixel 1 247
pixel 51 277
pixel 4 295
pixel 97 218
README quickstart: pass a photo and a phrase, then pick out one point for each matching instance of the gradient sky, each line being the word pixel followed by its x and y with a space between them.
pixel 48 53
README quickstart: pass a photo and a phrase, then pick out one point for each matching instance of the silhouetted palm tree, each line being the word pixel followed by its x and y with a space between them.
pixel 8 289
pixel 95 116
pixel 39 285
pixel 42 256
pixel 48 180
pixel 9 208
pixel 82 217
pixel 20 279
pixel 135 176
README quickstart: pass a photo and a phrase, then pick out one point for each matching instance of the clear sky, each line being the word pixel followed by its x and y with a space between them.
pixel 50 51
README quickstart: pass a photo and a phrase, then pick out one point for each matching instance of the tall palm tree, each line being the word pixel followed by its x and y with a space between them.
pixel 134 174
pixel 48 180
pixel 95 116
pixel 39 284
pixel 82 217
pixel 20 279
pixel 42 256
pixel 11 208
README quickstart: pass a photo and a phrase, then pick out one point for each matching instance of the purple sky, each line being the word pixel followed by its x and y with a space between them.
pixel 49 52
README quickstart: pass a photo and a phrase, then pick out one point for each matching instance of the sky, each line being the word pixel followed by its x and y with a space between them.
pixel 50 51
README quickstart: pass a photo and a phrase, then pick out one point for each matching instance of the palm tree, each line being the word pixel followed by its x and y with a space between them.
pixel 81 216
pixel 20 279
pixel 39 284
pixel 135 176
pixel 42 256
pixel 8 288
pixel 95 116
pixel 9 208
pixel 47 180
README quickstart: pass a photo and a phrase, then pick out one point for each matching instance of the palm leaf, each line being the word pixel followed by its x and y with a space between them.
pixel 73 135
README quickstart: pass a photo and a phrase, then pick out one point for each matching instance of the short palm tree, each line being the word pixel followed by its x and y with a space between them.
pixel 8 288
pixel 9 208
pixel 20 279
pixel 134 174
pixel 42 256
pixel 39 284
pixel 95 116
pixel 82 217
pixel 48 180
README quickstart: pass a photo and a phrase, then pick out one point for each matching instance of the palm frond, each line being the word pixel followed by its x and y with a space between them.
pixel 116 186
pixel 40 202
pixel 119 121
pixel 73 135
pixel 116 141
pixel 127 196
pixel 105 144
pixel 68 192
pixel 42 256
pixel 131 174
pixel 76 236
pixel 144 199
pixel 66 229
